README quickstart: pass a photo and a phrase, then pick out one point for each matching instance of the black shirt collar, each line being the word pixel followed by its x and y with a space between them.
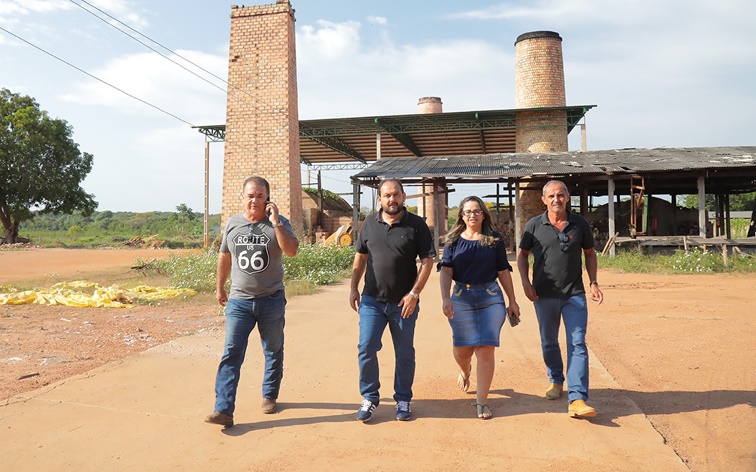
pixel 403 219
pixel 545 218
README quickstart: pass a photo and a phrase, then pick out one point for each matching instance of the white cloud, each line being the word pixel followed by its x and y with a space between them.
pixel 24 7
pixel 8 9
pixel 378 20
pixel 330 40
pixel 170 159
pixel 379 77
pixel 152 78
pixel 536 9
pixel 122 10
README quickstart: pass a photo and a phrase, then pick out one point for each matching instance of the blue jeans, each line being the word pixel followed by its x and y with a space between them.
pixel 575 314
pixel 374 316
pixel 241 317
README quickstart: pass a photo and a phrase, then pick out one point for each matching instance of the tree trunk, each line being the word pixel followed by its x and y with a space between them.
pixel 11 233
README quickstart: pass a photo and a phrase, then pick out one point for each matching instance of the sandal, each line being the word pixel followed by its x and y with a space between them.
pixel 484 412
pixel 464 382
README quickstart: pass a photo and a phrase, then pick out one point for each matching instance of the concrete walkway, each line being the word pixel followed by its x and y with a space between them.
pixel 146 412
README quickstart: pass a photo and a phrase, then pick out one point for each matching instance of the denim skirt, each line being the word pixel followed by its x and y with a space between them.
pixel 479 314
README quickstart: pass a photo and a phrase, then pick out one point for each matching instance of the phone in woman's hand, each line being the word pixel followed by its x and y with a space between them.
pixel 514 320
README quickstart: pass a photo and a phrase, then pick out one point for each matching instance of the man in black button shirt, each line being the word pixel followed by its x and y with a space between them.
pixel 388 245
pixel 558 238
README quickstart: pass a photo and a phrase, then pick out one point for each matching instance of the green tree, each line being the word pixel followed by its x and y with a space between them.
pixel 41 167
pixel 184 212
pixel 738 202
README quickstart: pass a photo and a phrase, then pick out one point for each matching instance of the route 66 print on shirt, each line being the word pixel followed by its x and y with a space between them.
pixel 252 250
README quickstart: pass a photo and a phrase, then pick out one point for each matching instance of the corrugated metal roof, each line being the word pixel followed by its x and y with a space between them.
pixel 333 140
pixel 738 164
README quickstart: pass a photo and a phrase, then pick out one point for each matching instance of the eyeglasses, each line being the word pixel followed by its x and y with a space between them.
pixel 563 240
pixel 472 212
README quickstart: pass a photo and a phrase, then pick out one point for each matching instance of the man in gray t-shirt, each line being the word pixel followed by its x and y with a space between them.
pixel 251 250
pixel 557 239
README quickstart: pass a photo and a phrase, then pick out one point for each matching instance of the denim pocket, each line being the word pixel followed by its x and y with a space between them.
pixel 493 289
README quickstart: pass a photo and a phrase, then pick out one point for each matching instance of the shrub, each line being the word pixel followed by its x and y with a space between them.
pixel 320 265
pixel 194 271
pixel 313 265
pixel 693 261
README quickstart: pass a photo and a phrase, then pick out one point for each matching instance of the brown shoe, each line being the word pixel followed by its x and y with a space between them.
pixel 268 405
pixel 221 419
pixel 579 409
pixel 554 391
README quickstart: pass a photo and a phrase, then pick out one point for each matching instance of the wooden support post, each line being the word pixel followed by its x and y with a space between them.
pixel 207 196
pixel 437 224
pixel 320 205
pixel 518 214
pixel 355 210
pixel 609 243
pixel 724 254
pixel 610 205
pixel 701 206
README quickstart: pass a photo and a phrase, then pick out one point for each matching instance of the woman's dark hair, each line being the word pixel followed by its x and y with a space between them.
pixel 459 227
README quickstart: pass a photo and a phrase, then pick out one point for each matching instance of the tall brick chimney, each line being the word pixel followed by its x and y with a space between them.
pixel 262 118
pixel 539 83
pixel 426 105
pixel 429 105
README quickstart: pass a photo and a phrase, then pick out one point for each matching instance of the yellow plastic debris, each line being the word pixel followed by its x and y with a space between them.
pixel 81 293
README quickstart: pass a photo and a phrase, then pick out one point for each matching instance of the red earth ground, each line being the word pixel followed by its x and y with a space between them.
pixel 681 346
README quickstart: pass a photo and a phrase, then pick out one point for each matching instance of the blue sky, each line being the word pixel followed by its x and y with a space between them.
pixel 664 73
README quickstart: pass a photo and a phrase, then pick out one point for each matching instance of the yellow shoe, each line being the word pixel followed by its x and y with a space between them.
pixel 554 391
pixel 579 409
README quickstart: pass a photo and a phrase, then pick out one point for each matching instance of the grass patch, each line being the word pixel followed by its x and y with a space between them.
pixel 311 267
pixel 694 261
pixel 321 265
pixel 194 271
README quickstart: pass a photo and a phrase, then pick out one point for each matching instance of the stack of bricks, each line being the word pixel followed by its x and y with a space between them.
pixel 539 83
pixel 262 122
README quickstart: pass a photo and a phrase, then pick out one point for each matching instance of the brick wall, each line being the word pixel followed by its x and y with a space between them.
pixel 262 121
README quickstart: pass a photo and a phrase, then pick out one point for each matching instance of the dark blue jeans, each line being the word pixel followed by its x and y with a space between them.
pixel 241 317
pixel 374 316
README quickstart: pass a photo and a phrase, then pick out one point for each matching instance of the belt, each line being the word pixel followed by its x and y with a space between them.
pixel 469 286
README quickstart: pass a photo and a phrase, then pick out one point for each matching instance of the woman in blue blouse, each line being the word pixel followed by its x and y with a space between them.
pixel 475 257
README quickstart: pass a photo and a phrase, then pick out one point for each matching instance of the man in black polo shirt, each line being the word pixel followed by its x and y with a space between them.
pixel 557 238
pixel 387 246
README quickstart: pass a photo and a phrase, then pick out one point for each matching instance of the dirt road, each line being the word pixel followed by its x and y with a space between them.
pixel 670 354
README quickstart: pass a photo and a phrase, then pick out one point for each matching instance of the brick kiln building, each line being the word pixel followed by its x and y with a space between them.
pixel 517 150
